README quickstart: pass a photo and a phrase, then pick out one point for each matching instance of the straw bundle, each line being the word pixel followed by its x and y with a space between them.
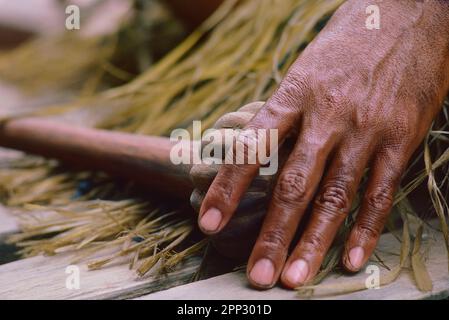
pixel 237 56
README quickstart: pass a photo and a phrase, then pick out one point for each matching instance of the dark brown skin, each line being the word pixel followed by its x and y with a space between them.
pixel 355 99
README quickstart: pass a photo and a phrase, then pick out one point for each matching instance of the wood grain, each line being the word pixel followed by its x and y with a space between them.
pixel 8 223
pixel 45 278
pixel 233 286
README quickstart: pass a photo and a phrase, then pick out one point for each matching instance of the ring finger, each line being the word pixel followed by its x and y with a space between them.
pixel 332 204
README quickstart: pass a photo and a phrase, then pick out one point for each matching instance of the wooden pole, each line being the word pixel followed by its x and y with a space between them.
pixel 143 159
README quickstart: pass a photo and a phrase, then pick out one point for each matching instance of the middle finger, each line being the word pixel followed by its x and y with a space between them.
pixel 293 191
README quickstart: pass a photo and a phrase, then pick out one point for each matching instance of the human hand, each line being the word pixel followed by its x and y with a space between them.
pixel 355 98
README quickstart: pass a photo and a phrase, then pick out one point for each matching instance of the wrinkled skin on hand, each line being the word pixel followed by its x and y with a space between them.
pixel 354 99
pixel 236 240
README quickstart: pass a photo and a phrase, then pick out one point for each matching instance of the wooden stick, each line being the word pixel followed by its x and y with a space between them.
pixel 143 159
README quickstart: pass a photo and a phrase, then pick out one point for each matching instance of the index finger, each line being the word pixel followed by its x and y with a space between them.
pixel 281 112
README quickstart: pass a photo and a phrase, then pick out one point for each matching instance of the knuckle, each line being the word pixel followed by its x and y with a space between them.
pixel 203 175
pixel 294 88
pixel 335 107
pixel 401 132
pixel 334 197
pixel 234 120
pixel 312 242
pixel 368 230
pixel 368 119
pixel 221 191
pixel 274 239
pixel 272 111
pixel 291 188
pixel 401 128
pixel 334 99
pixel 244 151
pixel 380 199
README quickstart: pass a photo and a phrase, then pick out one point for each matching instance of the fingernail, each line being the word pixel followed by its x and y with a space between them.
pixel 297 272
pixel 263 272
pixel 211 220
pixel 356 256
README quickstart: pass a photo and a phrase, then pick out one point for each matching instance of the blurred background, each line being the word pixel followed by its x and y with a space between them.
pixel 21 20
pixel 43 63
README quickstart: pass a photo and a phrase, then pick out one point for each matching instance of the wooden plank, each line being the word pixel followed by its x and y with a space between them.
pixel 234 285
pixel 45 278
pixel 8 223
